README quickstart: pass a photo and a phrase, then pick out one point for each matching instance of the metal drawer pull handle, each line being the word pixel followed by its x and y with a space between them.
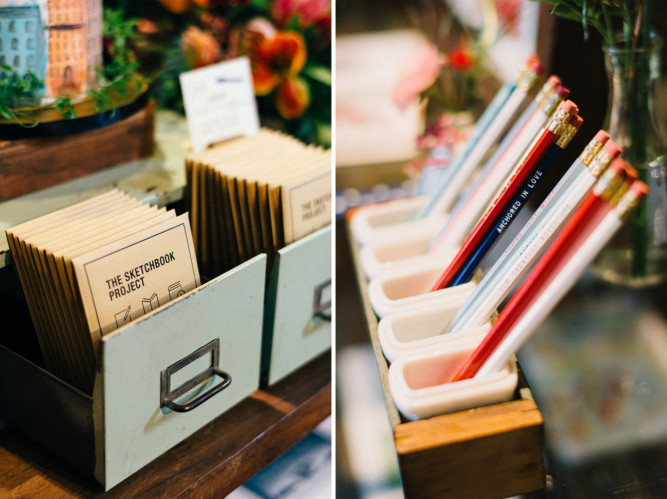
pixel 167 397
pixel 320 309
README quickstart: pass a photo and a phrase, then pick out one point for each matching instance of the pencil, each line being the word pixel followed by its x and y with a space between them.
pixel 499 167
pixel 564 278
pixel 536 234
pixel 515 206
pixel 485 136
pixel 555 128
pixel 596 205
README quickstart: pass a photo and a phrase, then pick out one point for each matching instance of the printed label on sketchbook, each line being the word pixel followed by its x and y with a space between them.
pixel 307 205
pixel 219 102
pixel 134 276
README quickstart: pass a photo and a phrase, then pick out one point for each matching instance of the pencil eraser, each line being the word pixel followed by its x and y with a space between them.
pixel 602 137
pixel 621 167
pixel 576 121
pixel 562 91
pixel 532 59
pixel 569 107
pixel 612 148
pixel 640 188
pixel 554 81
pixel 631 172
pixel 537 67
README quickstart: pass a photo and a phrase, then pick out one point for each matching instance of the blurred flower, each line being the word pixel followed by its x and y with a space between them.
pixel 146 26
pixel 292 98
pixel 307 12
pixel 460 59
pixel 261 26
pixel 275 59
pixel 217 25
pixel 419 74
pixel 199 47
pixel 176 6
pixel 445 131
pixel 508 14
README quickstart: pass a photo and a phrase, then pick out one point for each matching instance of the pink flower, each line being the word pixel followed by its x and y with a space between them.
pixel 261 26
pixel 445 131
pixel 307 12
pixel 420 73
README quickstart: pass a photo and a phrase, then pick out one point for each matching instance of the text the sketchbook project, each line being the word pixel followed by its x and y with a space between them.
pixel 93 267
pixel 255 195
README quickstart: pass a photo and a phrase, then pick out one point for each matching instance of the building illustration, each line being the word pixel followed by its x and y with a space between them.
pixel 59 40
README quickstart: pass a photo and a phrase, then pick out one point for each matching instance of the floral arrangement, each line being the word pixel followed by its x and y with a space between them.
pixel 449 70
pixel 287 41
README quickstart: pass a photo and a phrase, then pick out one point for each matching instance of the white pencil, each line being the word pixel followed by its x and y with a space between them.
pixel 540 229
pixel 499 167
pixel 455 178
pixel 563 281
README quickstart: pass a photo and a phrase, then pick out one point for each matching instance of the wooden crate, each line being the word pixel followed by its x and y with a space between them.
pixel 491 451
pixel 32 164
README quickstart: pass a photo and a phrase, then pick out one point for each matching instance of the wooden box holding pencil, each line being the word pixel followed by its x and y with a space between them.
pixel 493 450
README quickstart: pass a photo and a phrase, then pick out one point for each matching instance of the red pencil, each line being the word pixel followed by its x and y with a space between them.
pixel 549 136
pixel 597 204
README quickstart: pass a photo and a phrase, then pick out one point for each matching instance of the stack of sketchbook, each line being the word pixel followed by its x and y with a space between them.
pixel 254 195
pixel 95 266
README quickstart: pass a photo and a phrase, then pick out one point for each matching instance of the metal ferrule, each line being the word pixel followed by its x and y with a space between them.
pixel 559 121
pixel 546 90
pixel 551 103
pixel 527 80
pixel 589 152
pixel 566 136
pixel 599 163
pixel 627 203
pixel 619 193
pixel 608 184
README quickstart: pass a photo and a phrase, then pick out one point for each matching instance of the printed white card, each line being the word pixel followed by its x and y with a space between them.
pixel 219 102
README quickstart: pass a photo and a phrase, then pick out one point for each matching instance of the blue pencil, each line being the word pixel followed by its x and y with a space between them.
pixel 508 216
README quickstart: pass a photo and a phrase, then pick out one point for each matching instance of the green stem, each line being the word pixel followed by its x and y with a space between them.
pixel 609 32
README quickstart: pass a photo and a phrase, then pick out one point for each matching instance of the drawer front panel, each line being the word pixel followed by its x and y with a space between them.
pixel 301 327
pixel 148 361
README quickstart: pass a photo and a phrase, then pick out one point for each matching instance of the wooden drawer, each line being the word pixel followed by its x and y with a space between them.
pixel 297 323
pixel 126 424
pixel 491 451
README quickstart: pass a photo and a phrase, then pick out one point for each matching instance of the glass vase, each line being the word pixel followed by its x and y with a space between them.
pixel 637 255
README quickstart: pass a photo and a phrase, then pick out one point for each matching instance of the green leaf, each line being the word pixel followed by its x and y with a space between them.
pixel 323 133
pixel 566 12
pixel 318 73
pixel 6 113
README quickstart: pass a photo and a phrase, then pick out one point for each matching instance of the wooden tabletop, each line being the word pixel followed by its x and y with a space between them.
pixel 210 463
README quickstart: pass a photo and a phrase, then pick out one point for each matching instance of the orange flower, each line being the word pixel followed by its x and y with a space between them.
pixel 276 59
pixel 461 60
pixel 176 6
pixel 292 98
pixel 180 6
pixel 200 47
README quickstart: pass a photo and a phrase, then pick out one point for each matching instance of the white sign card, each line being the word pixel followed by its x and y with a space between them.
pixel 219 102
